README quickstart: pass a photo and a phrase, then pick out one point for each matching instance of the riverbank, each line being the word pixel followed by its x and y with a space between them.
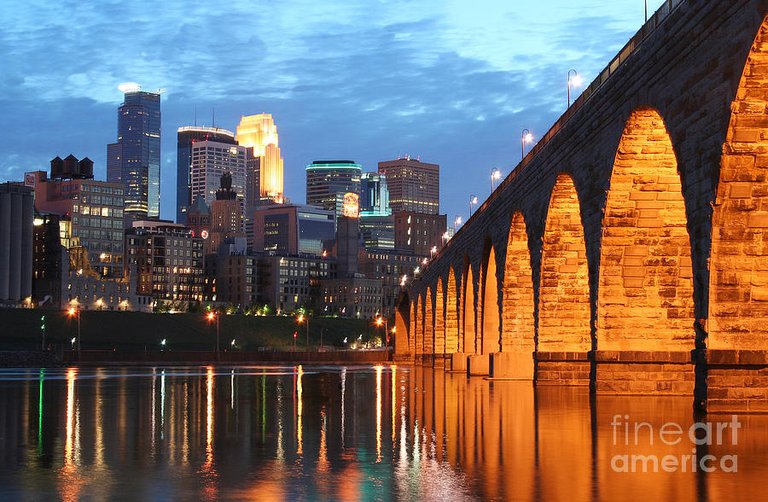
pixel 138 332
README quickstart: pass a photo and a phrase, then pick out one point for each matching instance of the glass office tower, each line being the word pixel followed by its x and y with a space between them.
pixel 134 160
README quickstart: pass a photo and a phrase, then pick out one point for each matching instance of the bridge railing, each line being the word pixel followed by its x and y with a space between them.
pixel 654 21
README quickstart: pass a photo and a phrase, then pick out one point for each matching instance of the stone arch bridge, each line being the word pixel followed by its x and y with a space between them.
pixel 628 250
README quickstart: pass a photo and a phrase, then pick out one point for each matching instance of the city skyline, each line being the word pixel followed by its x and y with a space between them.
pixel 473 82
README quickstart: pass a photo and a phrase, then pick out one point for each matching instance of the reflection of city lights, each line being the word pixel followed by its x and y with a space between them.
pixel 378 413
pixel 299 411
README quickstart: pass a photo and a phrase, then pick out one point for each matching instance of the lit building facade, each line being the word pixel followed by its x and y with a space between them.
pixel 388 267
pixel 354 297
pixel 134 160
pixel 289 229
pixel 419 233
pixel 259 133
pixel 186 137
pixel 329 180
pixel 413 185
pixel 232 279
pixel 167 262
pixel 226 216
pixel 90 211
pixel 291 282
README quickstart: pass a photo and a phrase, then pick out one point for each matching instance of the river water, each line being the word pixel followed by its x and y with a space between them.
pixel 358 433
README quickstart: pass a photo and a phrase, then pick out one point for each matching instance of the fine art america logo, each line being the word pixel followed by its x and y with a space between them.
pixel 699 435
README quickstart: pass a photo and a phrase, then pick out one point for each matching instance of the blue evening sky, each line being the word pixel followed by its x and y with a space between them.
pixel 450 81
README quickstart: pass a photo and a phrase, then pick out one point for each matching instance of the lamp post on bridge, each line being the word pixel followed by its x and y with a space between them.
pixel 525 138
pixel 472 203
pixel 495 174
pixel 573 80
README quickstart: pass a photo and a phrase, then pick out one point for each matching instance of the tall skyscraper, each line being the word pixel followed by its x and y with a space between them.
pixel 414 186
pixel 186 136
pixel 329 180
pixel 134 161
pixel 260 133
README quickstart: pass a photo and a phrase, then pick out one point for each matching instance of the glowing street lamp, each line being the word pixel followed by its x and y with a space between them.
pixel 299 320
pixel 211 316
pixel 456 223
pixel 74 312
pixel 432 252
pixel 525 138
pixel 472 203
pixel 446 237
pixel 573 80
pixel 495 175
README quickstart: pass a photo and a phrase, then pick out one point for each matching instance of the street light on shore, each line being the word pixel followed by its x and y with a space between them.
pixel 525 138
pixel 74 312
pixel 573 80
pixel 299 320
pixel 212 316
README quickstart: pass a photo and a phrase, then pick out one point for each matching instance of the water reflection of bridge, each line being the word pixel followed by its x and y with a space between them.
pixel 626 252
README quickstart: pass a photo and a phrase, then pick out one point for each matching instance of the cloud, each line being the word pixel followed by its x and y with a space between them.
pixel 451 81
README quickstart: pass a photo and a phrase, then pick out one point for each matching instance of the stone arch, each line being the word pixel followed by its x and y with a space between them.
pixel 402 331
pixel 451 314
pixel 429 321
pixel 738 282
pixel 489 326
pixel 645 297
pixel 439 347
pixel 564 305
pixel 419 337
pixel 518 331
pixel 468 311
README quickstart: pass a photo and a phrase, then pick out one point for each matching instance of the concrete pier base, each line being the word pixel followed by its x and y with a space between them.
pixel 737 381
pixel 511 365
pixel 478 364
pixel 439 361
pixel 458 362
pixel 644 372
pixel 563 368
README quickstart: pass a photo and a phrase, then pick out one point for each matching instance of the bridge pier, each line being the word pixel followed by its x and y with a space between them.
pixel 563 368
pixel 478 364
pixel 440 361
pixel 511 365
pixel 737 381
pixel 458 362
pixel 644 372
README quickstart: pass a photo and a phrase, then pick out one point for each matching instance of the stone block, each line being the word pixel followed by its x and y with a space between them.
pixel 511 365
pixel 478 365
pixel 459 361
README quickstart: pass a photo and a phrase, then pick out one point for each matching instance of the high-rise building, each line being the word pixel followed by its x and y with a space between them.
pixel 210 161
pixel 186 136
pixel 288 229
pixel 16 238
pixel 329 180
pixel 413 185
pixel 134 161
pixel 90 211
pixel 259 132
